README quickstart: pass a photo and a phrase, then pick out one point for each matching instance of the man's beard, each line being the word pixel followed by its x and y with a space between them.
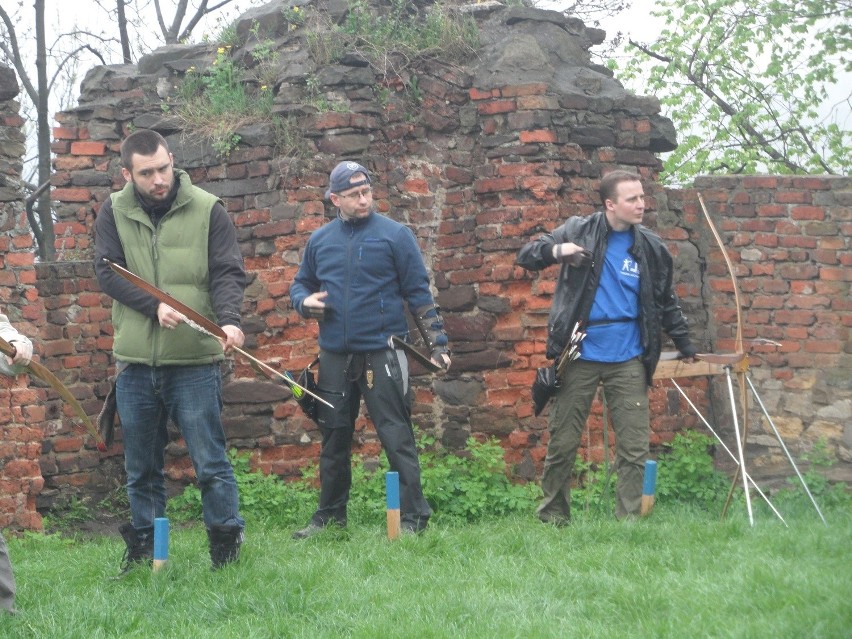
pixel 152 200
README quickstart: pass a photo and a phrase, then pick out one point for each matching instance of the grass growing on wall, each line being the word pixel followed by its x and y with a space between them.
pixel 240 86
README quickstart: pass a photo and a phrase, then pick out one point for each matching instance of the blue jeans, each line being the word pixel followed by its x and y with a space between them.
pixel 191 396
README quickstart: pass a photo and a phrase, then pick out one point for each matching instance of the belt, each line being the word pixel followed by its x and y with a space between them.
pixel 611 321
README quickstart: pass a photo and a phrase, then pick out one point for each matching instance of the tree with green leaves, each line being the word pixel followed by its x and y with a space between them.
pixel 748 85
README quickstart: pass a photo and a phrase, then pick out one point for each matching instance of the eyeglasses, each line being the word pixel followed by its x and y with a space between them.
pixel 357 195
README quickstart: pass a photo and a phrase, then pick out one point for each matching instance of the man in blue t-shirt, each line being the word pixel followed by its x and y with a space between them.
pixel 615 283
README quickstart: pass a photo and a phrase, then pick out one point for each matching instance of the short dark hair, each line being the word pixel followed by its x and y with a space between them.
pixel 610 182
pixel 143 142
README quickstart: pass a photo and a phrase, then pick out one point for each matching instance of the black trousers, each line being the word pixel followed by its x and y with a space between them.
pixel 381 378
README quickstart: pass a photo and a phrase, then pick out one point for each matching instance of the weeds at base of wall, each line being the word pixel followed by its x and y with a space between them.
pixel 470 486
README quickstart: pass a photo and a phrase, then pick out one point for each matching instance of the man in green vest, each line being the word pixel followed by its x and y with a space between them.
pixel 181 239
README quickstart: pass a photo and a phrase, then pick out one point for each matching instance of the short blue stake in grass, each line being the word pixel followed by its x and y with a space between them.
pixel 392 492
pixel 161 542
pixel 649 487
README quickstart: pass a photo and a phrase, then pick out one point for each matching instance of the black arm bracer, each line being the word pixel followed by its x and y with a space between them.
pixel 431 326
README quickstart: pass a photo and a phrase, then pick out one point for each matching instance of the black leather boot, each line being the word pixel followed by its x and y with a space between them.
pixel 140 548
pixel 225 542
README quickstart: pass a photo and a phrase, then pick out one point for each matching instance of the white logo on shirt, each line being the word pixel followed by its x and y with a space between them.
pixel 630 268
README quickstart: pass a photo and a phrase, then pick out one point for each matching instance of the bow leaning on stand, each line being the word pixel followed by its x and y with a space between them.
pixel 203 325
pixel 741 368
pixel 37 370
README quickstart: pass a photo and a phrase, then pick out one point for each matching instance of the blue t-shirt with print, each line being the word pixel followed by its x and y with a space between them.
pixel 617 298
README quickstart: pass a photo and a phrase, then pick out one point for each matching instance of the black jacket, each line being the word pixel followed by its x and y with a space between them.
pixel 576 287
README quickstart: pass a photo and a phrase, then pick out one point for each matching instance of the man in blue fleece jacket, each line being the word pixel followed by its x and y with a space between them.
pixel 358 273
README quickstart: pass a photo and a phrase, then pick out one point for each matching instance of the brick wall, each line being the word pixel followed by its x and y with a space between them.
pixel 789 240
pixel 483 164
pixel 23 410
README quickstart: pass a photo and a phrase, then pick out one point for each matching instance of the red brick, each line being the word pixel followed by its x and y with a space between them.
pixel 519 439
pixel 771 210
pixel 492 185
pixel 798 333
pixel 766 301
pixel 808 301
pixel 538 88
pixel 797 241
pixel 19 259
pixel 71 195
pixel 13 121
pixel 67 444
pixel 836 243
pixel 497 106
pixel 811 183
pixel 88 148
pixel 836 274
pixel 825 256
pixel 824 346
pixel 540 135
pixel 19 468
pixel 480 94
pixel 793 197
pixel 274 229
pixel 77 361
pixel 760 182
pixel 416 185
pixel 65 133
pixel 807 213
pixel 805 318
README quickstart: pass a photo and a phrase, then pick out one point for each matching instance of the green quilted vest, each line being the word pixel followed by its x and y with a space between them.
pixel 173 257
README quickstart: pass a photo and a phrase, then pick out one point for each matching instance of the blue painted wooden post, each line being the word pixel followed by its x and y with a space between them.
pixel 161 542
pixel 649 487
pixel 392 492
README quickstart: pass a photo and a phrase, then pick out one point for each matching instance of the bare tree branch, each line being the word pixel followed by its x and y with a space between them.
pixel 72 57
pixel 29 203
pixel 200 13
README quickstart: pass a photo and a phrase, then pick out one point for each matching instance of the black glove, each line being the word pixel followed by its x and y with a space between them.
pixel 315 312
pixel 544 387
pixel 577 259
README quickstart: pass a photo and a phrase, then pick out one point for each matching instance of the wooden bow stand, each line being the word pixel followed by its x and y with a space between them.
pixel 724 364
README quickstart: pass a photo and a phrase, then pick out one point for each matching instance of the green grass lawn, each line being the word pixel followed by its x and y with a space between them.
pixel 679 573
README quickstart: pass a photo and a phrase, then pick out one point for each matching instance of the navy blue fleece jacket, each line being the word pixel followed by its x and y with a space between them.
pixel 372 268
